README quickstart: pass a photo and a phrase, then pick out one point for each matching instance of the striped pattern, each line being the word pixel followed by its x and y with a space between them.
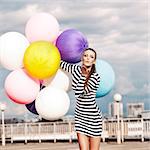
pixel 88 117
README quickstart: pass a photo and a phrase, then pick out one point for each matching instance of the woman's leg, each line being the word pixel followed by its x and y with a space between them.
pixel 83 141
pixel 95 143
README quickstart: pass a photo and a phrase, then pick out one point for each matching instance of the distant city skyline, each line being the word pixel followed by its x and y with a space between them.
pixel 117 30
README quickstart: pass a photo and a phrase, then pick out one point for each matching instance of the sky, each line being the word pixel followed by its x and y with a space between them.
pixel 117 30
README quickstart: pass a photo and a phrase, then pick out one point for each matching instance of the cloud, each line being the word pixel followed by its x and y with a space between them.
pixel 12 108
pixel 15 20
pixel 146 88
pixel 124 86
pixel 3 74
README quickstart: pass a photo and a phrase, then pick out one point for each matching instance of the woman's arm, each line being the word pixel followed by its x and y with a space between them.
pixel 93 84
pixel 68 66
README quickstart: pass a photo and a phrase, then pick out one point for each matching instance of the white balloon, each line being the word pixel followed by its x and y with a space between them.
pixel 52 103
pixel 12 48
pixel 59 80
pixel 70 80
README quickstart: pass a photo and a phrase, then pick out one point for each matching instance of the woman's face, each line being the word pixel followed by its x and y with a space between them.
pixel 88 58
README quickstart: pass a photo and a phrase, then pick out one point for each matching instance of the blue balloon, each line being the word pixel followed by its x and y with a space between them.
pixel 107 77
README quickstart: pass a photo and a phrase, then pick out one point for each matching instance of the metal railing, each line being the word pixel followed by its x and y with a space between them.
pixel 130 128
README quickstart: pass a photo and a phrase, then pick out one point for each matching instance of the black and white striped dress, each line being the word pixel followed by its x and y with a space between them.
pixel 88 117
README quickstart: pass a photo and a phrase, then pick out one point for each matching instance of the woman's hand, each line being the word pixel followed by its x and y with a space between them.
pixel 85 70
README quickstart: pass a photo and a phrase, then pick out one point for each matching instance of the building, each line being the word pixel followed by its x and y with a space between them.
pixel 146 114
pixel 68 118
pixel 135 109
pixel 113 109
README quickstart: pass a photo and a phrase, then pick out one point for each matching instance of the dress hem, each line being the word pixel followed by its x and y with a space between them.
pixel 96 136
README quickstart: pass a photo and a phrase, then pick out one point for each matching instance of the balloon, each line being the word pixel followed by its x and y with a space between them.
pixel 54 42
pixel 107 76
pixel 31 106
pixel 59 80
pixel 41 59
pixel 20 87
pixel 52 103
pixel 70 80
pixel 12 48
pixel 42 26
pixel 71 44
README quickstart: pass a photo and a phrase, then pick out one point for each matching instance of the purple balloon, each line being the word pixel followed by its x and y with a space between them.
pixel 71 44
pixel 31 106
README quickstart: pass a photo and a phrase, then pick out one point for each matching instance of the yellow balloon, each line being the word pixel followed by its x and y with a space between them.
pixel 41 59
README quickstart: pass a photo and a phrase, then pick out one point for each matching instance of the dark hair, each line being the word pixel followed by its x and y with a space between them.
pixel 93 69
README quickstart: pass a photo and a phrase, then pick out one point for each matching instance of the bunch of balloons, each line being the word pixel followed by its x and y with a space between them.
pixel 34 59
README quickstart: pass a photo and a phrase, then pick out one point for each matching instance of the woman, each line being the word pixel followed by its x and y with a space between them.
pixel 88 117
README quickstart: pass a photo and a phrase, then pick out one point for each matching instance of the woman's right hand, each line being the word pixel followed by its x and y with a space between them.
pixel 84 70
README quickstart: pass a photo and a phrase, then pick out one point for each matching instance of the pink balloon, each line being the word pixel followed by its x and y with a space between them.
pixel 20 87
pixel 54 42
pixel 42 26
pixel 41 81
